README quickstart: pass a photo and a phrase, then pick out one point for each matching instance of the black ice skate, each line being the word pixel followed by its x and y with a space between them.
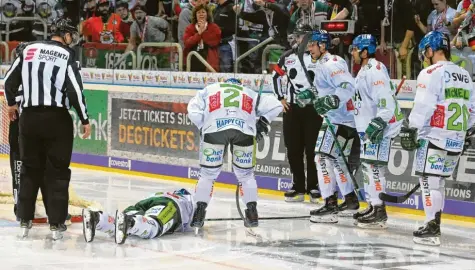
pixel 428 235
pixel 252 218
pixel 57 230
pixel 294 196
pixel 363 212
pixel 25 226
pixel 89 222
pixel 315 195
pixel 328 213
pixel 350 206
pixel 123 223
pixel 199 216
pixel 375 219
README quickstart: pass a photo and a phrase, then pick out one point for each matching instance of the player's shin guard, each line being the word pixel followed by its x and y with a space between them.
pixel 326 176
pixel 248 184
pixel 432 197
pixel 204 187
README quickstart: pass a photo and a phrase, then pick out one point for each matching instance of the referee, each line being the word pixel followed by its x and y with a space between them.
pixel 301 125
pixel 51 82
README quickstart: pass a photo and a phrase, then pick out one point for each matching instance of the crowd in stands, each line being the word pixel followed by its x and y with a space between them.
pixel 222 30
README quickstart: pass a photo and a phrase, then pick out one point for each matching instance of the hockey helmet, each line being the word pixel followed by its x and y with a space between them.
pixel 234 81
pixel 434 40
pixel 302 29
pixel 321 37
pixel 61 26
pixel 365 41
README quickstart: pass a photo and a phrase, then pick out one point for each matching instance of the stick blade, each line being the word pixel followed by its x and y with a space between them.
pixel 390 198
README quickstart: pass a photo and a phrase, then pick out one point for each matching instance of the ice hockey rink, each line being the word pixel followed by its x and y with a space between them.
pixel 283 244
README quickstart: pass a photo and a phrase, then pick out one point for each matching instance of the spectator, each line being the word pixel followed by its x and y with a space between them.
pixel 465 26
pixel 440 19
pixel 202 36
pixel 89 9
pixel 414 34
pixel 48 10
pixel 225 17
pixel 249 36
pixel 122 9
pixel 309 13
pixel 103 28
pixel 184 18
pixel 146 28
pixel 275 16
pixel 70 9
pixel 19 30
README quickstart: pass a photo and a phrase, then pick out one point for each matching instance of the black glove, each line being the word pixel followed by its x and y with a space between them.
pixel 409 140
pixel 262 128
pixel 469 139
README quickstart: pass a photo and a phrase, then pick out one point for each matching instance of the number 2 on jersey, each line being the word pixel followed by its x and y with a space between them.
pixel 233 98
pixel 228 101
pixel 458 111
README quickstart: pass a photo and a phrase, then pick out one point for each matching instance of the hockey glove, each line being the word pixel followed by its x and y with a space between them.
pixel 324 104
pixel 262 128
pixel 409 140
pixel 305 97
pixel 375 130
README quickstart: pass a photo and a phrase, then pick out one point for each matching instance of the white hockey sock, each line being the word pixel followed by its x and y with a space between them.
pixel 326 177
pixel 376 182
pixel 431 196
pixel 106 223
pixel 249 185
pixel 342 177
pixel 204 187
pixel 144 227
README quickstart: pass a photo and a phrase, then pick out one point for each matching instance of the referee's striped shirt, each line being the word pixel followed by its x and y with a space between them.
pixel 49 76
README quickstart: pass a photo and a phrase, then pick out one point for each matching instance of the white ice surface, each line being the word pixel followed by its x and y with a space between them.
pixel 285 244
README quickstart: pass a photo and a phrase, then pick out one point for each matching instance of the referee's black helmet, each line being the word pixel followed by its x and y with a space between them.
pixel 63 26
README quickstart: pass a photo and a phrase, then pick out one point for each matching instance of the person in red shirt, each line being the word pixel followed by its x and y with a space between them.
pixel 202 36
pixel 104 27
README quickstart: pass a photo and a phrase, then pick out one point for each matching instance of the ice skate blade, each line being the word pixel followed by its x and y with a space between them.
pixel 119 223
pixel 347 213
pixel 427 241
pixel 57 235
pixel 375 226
pixel 24 232
pixel 86 222
pixel 299 198
pixel 332 218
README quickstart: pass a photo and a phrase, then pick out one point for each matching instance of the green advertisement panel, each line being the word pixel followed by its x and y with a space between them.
pixel 96 144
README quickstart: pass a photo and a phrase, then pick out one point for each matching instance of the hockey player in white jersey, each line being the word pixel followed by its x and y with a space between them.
pixel 335 87
pixel 378 120
pixel 159 214
pixel 443 112
pixel 225 114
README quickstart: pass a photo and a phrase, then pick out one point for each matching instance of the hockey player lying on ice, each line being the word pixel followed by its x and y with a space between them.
pixel 159 214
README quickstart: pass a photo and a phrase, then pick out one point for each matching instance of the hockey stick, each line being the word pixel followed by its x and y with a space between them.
pixel 261 218
pixel 392 198
pixel 238 206
pixel 301 51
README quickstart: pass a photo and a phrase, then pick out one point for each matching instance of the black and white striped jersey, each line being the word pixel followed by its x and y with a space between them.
pixel 49 76
pixel 289 76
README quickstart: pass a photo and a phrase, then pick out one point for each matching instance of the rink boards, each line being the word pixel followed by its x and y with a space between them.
pixel 140 125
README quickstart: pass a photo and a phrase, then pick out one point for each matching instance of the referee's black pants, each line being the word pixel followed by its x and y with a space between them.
pixel 46 144
pixel 301 127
